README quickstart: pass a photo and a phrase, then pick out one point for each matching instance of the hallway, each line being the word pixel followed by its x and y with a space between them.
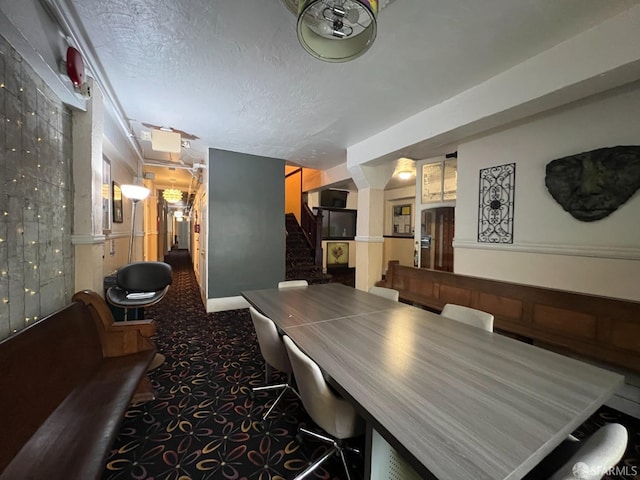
pixel 203 423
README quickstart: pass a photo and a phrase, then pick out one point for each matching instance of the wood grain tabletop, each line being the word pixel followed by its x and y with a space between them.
pixel 315 303
pixel 464 403
pixel 458 402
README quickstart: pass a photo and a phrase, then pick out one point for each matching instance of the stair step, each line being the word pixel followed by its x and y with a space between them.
pixel 300 261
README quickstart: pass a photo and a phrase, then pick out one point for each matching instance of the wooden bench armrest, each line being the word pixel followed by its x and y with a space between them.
pixel 118 338
pixel 147 328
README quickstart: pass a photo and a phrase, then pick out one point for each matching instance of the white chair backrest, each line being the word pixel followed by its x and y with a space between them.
pixel 601 452
pixel 292 283
pixel 470 316
pixel 389 293
pixel 333 414
pixel 270 342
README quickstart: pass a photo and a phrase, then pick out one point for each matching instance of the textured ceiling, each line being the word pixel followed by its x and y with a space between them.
pixel 233 73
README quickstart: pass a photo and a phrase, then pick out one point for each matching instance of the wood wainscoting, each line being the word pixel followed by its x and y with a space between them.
pixel 599 328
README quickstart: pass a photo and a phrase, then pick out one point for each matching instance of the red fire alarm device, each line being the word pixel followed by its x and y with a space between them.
pixel 75 67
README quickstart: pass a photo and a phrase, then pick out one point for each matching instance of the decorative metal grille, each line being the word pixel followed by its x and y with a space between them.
pixel 495 214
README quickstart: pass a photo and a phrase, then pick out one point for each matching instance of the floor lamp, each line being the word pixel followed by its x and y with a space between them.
pixel 135 193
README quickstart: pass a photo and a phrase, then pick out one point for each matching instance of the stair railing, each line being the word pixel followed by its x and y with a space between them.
pixel 312 228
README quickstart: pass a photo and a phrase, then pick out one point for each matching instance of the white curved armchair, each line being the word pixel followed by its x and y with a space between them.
pixel 385 292
pixel 586 460
pixel 275 355
pixel 599 453
pixel 292 283
pixel 333 414
pixel 470 316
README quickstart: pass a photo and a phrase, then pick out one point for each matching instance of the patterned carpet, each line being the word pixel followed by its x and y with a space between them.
pixel 204 425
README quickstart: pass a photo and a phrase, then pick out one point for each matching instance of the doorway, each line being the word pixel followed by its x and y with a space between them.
pixel 183 240
pixel 436 238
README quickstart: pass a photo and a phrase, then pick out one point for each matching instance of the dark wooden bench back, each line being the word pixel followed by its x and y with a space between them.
pixel 599 328
pixel 39 366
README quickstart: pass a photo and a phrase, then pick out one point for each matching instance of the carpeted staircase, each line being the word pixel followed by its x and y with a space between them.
pixel 299 256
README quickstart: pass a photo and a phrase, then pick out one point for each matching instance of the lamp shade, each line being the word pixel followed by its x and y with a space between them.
pixel 337 30
pixel 135 192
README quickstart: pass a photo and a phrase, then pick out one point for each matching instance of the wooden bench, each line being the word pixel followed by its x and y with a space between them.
pixel 65 384
pixel 599 328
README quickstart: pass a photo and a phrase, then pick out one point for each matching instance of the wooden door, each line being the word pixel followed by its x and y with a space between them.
pixel 438 227
pixel 444 233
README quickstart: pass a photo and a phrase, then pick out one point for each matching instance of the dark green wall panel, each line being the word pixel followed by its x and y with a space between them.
pixel 246 223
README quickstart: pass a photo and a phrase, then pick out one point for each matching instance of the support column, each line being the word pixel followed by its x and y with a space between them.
pixel 150 210
pixel 369 240
pixel 371 181
pixel 88 237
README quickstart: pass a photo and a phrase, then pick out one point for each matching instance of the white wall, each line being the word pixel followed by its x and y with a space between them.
pixel 395 197
pixel 400 249
pixel 551 248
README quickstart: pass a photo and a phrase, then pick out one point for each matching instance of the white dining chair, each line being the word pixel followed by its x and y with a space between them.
pixel 385 292
pixel 292 283
pixel 333 414
pixel 275 355
pixel 587 460
pixel 470 316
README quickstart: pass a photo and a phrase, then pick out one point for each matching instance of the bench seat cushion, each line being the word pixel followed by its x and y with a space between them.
pixel 74 440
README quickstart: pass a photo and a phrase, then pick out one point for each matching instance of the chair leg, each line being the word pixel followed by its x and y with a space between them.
pixel 277 401
pixel 336 449
pixel 285 387
pixel 317 436
pixel 266 388
pixel 316 464
pixel 344 463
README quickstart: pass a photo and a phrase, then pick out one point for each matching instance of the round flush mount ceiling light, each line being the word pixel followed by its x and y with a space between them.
pixel 337 30
pixel 405 168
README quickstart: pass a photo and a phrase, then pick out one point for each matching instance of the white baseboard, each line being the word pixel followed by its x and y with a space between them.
pixel 226 303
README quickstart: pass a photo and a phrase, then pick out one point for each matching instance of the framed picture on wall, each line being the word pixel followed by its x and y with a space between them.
pixel 440 181
pixel 106 195
pixel 337 254
pixel 432 182
pixel 117 203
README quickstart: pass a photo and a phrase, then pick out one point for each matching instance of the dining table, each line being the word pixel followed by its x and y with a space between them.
pixel 451 400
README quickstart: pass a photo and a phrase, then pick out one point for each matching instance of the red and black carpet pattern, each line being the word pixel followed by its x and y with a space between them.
pixel 204 425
